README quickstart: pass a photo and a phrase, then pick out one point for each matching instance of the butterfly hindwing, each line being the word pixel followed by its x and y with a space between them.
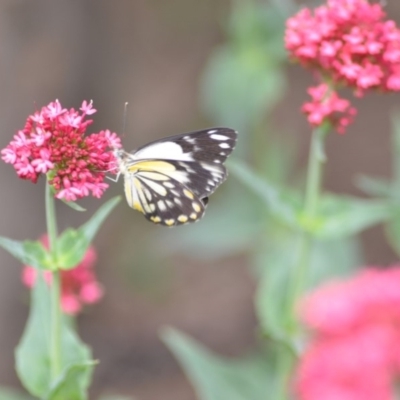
pixel 162 199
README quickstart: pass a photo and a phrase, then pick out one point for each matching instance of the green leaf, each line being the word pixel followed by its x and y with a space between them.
pixel 73 244
pixel 28 252
pixel 90 228
pixel 33 351
pixel 11 394
pixel 271 295
pixel 329 258
pixel 70 385
pixel 374 186
pixel 71 248
pixel 215 378
pixel 341 216
pixel 73 205
pixel 226 229
pixel 277 204
pixel 332 259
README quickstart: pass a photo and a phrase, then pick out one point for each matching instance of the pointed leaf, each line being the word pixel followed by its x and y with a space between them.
pixel 90 228
pixel 73 244
pixel 28 252
pixel 226 228
pixel 33 352
pixel 341 216
pixel 215 378
pixel 329 258
pixel 73 205
pixel 71 248
pixel 374 186
pixel 11 394
pixel 279 206
pixel 66 386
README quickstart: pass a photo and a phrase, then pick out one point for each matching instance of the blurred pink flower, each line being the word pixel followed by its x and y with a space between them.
pixel 53 142
pixel 78 285
pixel 355 351
pixel 326 105
pixel 349 41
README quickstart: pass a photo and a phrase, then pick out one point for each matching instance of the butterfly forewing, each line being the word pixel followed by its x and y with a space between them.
pixel 210 145
pixel 169 180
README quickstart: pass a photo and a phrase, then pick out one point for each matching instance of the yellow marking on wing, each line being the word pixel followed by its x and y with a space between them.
pixel 196 207
pixel 188 193
pixel 128 191
pixel 130 198
pixel 156 219
pixel 169 222
pixel 193 216
pixel 137 206
pixel 183 218
pixel 151 166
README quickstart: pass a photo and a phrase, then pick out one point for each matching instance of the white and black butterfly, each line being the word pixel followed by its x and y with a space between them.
pixel 169 180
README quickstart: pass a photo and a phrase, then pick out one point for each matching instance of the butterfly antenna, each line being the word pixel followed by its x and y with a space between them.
pixel 124 118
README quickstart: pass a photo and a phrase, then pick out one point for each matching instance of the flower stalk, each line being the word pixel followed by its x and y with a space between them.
pixel 299 274
pixel 311 202
pixel 55 334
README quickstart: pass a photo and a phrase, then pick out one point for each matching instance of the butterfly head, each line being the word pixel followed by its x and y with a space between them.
pixel 120 157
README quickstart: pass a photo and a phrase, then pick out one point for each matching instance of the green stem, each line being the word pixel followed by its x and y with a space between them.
pixel 312 194
pixel 299 273
pixel 55 334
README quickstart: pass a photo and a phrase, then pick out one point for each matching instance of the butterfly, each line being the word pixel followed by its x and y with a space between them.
pixel 169 180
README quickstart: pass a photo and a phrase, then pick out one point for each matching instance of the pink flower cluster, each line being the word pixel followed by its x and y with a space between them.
pixel 78 286
pixel 53 142
pixel 355 353
pixel 326 105
pixel 349 43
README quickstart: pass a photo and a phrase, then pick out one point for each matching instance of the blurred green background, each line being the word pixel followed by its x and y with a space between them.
pixel 182 65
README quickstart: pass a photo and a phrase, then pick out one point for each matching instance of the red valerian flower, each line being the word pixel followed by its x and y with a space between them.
pixel 78 285
pixel 349 42
pixel 355 351
pixel 53 142
pixel 326 105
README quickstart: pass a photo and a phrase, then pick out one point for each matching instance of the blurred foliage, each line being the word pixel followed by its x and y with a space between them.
pixel 260 212
pixel 215 378
pixel 33 354
pixel 244 79
pixel 11 394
